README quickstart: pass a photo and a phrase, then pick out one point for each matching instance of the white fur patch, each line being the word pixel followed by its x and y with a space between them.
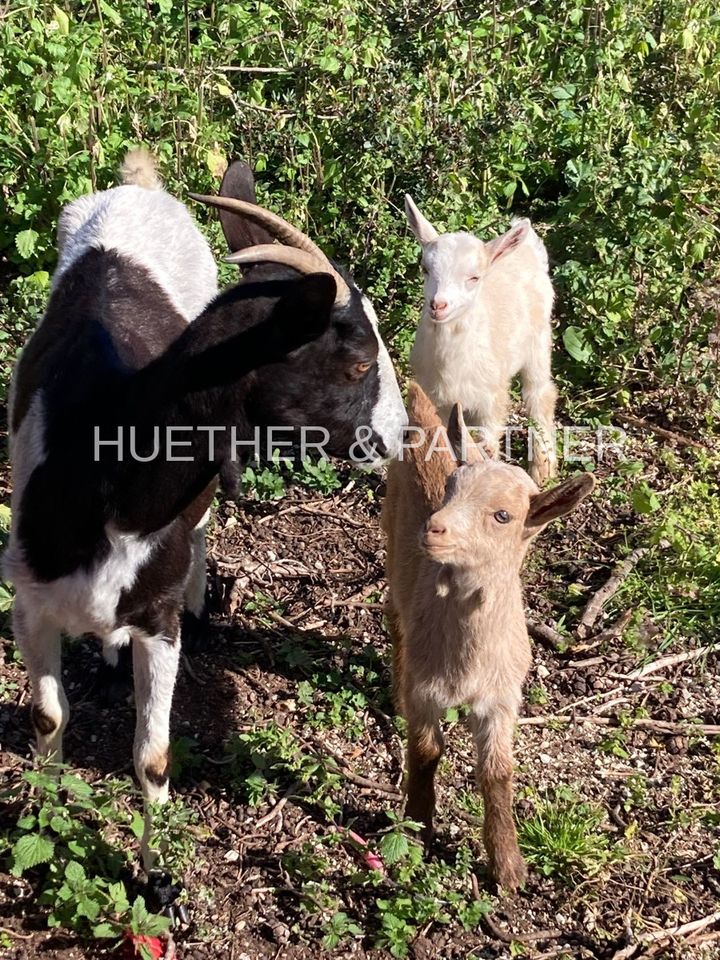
pixel 84 601
pixel 151 228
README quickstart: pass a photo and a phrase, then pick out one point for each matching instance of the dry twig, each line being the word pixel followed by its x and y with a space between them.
pixel 657 726
pixel 672 661
pixel 642 424
pixel 648 940
pixel 595 604
pixel 546 636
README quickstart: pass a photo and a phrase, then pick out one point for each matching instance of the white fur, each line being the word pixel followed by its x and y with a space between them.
pixel 86 600
pixel 487 319
pixel 197 580
pixel 150 227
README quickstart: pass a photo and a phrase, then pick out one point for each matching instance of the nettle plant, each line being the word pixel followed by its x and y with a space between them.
pixel 387 906
pixel 70 839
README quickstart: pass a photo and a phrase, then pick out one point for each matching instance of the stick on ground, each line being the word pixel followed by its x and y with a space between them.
pixel 596 603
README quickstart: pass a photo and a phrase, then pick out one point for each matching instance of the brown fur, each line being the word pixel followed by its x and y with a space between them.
pixel 456 615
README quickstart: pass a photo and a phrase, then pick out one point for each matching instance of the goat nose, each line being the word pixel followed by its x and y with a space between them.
pixel 438 306
pixel 436 529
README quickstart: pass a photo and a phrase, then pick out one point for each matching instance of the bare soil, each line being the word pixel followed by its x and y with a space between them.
pixel 321 560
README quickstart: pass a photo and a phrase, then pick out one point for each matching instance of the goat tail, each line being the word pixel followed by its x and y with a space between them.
pixel 140 169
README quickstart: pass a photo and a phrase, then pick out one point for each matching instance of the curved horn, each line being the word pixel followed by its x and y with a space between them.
pixel 299 260
pixel 284 231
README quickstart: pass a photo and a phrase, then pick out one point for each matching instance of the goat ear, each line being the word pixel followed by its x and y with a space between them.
pixel 508 242
pixel 554 503
pixel 457 434
pixel 424 231
pixel 304 314
pixel 298 318
pixel 240 233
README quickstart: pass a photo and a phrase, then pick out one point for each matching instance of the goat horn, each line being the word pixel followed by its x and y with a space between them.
pixel 286 233
pixel 299 260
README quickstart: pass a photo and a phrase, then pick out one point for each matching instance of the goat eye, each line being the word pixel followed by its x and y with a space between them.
pixel 502 516
pixel 360 369
pixel 473 279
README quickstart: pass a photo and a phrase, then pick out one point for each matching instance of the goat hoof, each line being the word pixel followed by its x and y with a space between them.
pixel 509 871
pixel 160 896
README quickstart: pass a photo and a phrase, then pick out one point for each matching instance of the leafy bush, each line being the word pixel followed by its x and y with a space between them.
pixel 600 121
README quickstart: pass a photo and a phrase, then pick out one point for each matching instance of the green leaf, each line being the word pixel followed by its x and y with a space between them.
pixel 138 824
pixel 105 930
pixel 62 20
pixel 25 242
pixel 139 913
pixel 110 13
pixel 88 908
pixel 156 925
pixel 394 847
pixel 74 873
pixel 31 850
pixel 644 500
pixel 566 92
pixel 576 345
pixel 76 786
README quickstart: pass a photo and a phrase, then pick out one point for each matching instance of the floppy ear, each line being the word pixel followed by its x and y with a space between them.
pixel 457 435
pixel 508 242
pixel 299 317
pixel 240 233
pixel 304 313
pixel 424 231
pixel 554 503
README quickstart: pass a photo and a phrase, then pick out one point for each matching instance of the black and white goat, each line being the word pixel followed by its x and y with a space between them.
pixel 113 545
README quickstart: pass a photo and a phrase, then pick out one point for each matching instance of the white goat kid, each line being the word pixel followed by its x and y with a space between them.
pixel 486 319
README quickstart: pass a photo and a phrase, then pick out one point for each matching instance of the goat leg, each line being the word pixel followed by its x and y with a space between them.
pixel 493 738
pixel 425 747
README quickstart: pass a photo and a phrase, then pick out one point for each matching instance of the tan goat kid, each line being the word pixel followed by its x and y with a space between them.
pixel 457 532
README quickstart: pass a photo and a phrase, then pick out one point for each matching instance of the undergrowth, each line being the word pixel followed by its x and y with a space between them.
pixel 73 840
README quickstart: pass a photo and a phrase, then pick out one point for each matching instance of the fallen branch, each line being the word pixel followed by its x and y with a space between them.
pixel 671 435
pixel 546 636
pixel 505 936
pixel 657 726
pixel 646 940
pixel 595 604
pixel 672 661
pixel 613 632
pixel 15 934
pixel 346 770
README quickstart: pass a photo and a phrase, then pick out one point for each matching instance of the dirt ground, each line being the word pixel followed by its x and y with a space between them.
pixel 299 583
